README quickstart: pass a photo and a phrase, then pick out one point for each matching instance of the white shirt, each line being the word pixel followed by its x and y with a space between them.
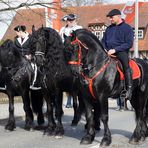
pixel 67 30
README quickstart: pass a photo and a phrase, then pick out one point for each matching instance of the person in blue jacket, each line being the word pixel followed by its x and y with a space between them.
pixel 117 40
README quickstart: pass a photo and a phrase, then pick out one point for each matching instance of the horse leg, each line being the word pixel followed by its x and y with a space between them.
pixel 89 137
pixel 28 111
pixel 37 104
pixel 51 123
pixel 106 140
pixel 11 122
pixel 59 131
pixel 75 106
pixel 97 116
pixel 78 112
pixel 139 103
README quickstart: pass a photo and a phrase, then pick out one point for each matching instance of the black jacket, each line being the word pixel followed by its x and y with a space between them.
pixel 23 46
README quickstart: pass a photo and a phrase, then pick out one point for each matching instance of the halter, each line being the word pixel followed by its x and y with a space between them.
pixel 79 52
pixel 39 53
pixel 89 80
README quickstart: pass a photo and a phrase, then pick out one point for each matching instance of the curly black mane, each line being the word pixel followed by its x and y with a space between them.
pixel 54 51
pixel 89 33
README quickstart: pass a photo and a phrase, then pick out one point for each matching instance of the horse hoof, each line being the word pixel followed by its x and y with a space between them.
pixel 10 127
pixel 49 132
pixel 105 142
pixel 142 139
pixel 29 128
pixel 134 141
pixel 87 140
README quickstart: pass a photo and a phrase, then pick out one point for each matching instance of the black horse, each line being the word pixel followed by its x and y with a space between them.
pixel 16 74
pixel 56 75
pixel 100 79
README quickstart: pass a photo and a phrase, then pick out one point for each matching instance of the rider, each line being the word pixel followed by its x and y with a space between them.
pixel 71 25
pixel 117 40
pixel 22 41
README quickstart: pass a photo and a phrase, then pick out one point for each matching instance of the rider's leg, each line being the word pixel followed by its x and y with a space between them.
pixel 124 59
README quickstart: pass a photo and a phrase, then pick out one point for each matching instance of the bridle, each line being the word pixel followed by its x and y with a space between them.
pixel 80 44
pixel 40 53
pixel 79 63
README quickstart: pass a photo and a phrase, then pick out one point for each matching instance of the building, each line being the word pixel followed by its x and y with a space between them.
pixel 92 17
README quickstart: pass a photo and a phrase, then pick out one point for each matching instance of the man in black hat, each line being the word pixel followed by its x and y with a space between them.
pixel 117 40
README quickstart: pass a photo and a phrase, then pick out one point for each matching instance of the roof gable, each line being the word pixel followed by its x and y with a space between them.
pixel 27 17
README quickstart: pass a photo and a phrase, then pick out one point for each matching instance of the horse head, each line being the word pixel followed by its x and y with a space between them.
pixel 8 54
pixel 85 51
pixel 39 44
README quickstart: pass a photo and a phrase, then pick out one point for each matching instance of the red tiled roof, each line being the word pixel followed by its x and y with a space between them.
pixel 87 15
pixel 27 17
pixel 92 14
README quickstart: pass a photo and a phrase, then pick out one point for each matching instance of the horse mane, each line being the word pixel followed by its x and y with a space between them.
pixel 54 51
pixel 9 45
pixel 88 32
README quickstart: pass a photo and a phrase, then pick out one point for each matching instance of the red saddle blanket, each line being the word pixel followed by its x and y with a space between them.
pixel 135 70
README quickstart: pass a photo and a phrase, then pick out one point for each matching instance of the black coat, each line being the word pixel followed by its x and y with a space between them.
pixel 23 46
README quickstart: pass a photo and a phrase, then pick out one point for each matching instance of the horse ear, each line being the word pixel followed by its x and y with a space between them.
pixel 73 33
pixel 33 28
pixel 65 36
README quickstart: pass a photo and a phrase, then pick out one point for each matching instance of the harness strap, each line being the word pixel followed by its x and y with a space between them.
pixel 79 52
pixel 90 80
pixel 39 53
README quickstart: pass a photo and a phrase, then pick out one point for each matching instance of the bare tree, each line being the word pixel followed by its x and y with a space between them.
pixel 81 2
pixel 8 8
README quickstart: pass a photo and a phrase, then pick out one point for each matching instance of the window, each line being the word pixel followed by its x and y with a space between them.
pixel 99 34
pixel 140 34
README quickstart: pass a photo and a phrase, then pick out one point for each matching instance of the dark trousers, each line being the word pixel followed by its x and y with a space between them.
pixel 124 59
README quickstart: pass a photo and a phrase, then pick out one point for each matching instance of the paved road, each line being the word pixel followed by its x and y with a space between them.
pixel 121 124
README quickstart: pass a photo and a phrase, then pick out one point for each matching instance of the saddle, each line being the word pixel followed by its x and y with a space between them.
pixel 136 73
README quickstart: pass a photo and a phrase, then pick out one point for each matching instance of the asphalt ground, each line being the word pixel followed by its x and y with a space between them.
pixel 121 124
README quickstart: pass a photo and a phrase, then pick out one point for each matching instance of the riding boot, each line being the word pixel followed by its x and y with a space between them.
pixel 128 84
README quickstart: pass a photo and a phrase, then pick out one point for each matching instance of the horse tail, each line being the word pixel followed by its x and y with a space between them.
pixel 36 100
pixel 147 111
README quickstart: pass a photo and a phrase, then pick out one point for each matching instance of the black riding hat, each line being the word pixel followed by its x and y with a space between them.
pixel 69 17
pixel 20 28
pixel 113 12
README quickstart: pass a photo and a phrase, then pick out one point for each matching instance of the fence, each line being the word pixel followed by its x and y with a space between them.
pixel 4 98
